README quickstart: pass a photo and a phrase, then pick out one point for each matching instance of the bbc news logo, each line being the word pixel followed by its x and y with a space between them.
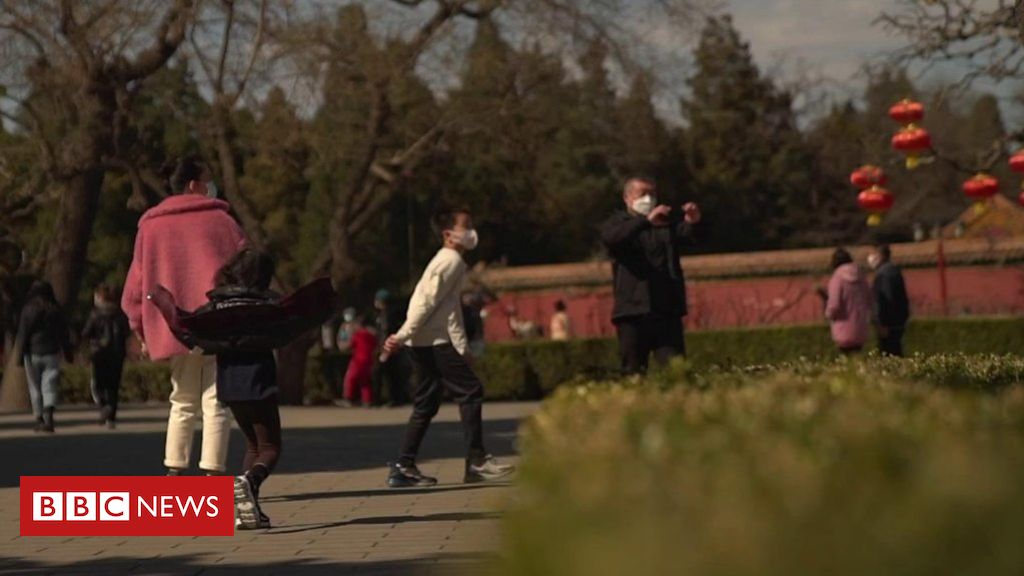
pixel 127 506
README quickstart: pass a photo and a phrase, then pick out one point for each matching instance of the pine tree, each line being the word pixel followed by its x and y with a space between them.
pixel 746 157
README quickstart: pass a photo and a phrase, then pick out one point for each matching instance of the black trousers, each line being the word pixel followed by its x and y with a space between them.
pixel 260 423
pixel 641 336
pixel 106 371
pixel 395 371
pixel 440 368
pixel 892 343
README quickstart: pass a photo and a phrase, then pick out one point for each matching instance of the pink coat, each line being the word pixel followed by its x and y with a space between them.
pixel 849 306
pixel 181 244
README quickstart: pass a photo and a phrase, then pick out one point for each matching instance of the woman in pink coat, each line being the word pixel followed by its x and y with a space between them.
pixel 848 306
pixel 181 244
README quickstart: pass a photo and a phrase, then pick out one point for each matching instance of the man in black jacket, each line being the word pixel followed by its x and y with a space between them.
pixel 892 308
pixel 650 292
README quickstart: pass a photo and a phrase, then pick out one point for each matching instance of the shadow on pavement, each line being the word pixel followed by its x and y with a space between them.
pixel 387 520
pixel 458 565
pixel 380 492
pixel 326 449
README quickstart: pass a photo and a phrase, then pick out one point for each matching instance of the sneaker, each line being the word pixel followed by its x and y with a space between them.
pixel 39 424
pixel 487 471
pixel 262 523
pixel 111 425
pixel 247 508
pixel 174 471
pixel 407 476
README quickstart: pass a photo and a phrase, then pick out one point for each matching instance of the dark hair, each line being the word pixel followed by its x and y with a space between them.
pixel 249 268
pixel 445 218
pixel 884 251
pixel 43 291
pixel 107 292
pixel 187 169
pixel 560 306
pixel 839 257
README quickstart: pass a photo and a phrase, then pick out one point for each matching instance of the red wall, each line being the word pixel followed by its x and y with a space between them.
pixel 770 301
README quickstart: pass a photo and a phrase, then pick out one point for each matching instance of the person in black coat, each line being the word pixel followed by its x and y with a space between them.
pixel 43 337
pixel 892 307
pixel 107 332
pixel 644 242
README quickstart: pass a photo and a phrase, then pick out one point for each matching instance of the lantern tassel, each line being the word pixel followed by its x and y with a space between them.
pixel 980 208
pixel 874 220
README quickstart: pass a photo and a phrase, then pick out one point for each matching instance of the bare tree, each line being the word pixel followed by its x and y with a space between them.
pixel 985 38
pixel 69 67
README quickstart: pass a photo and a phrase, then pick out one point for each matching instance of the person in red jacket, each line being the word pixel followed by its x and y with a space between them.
pixel 181 244
pixel 359 377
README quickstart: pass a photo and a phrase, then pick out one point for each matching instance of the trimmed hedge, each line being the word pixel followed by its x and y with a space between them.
pixel 869 466
pixel 533 369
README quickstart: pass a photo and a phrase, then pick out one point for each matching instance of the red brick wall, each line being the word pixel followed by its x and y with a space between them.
pixel 770 301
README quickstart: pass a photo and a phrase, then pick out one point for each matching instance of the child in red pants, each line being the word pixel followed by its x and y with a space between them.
pixel 359 378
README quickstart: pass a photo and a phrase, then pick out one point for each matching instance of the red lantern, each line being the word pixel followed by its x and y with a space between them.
pixel 876 201
pixel 1017 162
pixel 914 142
pixel 980 188
pixel 907 111
pixel 867 176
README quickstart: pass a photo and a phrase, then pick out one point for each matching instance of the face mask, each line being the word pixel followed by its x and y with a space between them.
pixel 211 189
pixel 643 205
pixel 874 261
pixel 468 239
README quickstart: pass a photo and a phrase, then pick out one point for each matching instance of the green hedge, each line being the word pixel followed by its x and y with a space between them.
pixel 532 370
pixel 870 466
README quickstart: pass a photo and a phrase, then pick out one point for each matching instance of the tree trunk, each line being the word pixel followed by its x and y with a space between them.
pixel 291 369
pixel 65 262
pixel 13 388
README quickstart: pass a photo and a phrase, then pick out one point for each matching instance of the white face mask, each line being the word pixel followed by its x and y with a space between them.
pixel 874 261
pixel 211 189
pixel 643 205
pixel 467 238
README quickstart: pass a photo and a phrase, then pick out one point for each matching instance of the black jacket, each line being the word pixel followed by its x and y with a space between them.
pixel 243 374
pixel 647 275
pixel 892 308
pixel 42 330
pixel 107 333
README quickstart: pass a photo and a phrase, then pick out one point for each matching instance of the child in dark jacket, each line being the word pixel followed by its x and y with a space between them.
pixel 107 334
pixel 247 383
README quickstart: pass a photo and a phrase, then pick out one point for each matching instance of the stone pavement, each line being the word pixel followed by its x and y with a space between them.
pixel 332 513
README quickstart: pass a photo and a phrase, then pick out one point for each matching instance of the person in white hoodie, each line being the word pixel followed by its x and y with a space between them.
pixel 435 332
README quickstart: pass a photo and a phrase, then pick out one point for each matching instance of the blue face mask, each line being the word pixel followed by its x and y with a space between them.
pixel 211 189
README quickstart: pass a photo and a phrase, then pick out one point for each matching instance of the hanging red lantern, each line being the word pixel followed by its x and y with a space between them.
pixel 914 142
pixel 876 201
pixel 980 188
pixel 1017 162
pixel 907 111
pixel 867 176
pixel 1017 165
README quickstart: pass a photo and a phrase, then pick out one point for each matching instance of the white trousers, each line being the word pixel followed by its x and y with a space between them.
pixel 194 393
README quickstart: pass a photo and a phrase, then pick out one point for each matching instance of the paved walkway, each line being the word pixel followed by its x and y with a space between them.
pixel 331 510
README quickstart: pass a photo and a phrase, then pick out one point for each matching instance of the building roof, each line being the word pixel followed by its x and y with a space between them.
pixel 961 251
pixel 1000 217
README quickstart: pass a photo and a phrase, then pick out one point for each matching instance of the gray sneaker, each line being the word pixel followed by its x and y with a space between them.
pixel 248 515
pixel 487 471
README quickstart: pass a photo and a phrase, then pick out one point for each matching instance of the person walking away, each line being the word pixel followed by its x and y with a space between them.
pixel 395 368
pixel 181 244
pixel 435 332
pixel 892 307
pixel 43 337
pixel 644 242
pixel 848 307
pixel 359 376
pixel 107 333
pixel 561 325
